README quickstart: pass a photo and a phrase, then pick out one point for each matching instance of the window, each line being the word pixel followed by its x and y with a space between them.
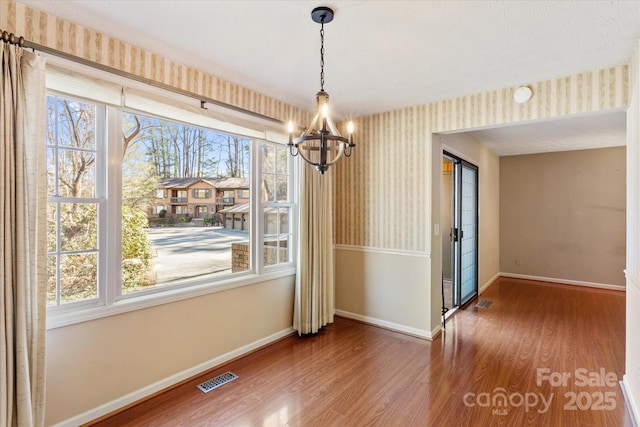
pixel 201 193
pixel 180 210
pixel 138 233
pixel 75 201
pixel 228 197
pixel 178 196
pixel 276 184
pixel 201 211
pixel 157 209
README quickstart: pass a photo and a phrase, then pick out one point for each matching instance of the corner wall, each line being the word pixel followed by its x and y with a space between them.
pixel 563 215
pixel 631 381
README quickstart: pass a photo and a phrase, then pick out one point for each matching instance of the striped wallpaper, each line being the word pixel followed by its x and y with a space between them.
pixel 48 30
pixel 383 192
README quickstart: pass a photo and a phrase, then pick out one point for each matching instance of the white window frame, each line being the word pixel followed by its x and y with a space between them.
pixel 291 204
pixel 110 301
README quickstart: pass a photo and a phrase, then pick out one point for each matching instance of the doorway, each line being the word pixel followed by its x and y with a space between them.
pixel 460 231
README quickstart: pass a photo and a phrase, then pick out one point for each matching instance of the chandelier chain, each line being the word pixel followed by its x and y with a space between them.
pixel 322 54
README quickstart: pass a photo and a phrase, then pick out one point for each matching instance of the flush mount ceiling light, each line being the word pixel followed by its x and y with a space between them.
pixel 321 145
pixel 522 94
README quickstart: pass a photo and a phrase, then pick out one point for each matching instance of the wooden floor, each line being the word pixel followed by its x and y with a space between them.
pixel 353 374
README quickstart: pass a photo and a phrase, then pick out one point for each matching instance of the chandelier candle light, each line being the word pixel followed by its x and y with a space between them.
pixel 321 145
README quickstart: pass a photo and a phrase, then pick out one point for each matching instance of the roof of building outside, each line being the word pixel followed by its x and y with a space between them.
pixel 222 183
pixel 244 208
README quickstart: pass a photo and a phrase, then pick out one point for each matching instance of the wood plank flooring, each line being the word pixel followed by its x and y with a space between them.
pixel 352 374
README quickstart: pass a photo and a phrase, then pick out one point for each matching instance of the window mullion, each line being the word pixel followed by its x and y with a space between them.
pixel 257 209
pixel 113 234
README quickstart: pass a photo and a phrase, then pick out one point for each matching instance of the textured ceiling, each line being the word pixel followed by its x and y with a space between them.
pixel 380 55
pixel 603 130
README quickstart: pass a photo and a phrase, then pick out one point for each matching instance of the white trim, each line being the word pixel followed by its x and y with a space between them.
pixel 420 333
pixel 633 278
pixel 489 283
pixel 158 386
pixel 565 281
pixel 58 320
pixel 629 403
pixel 370 249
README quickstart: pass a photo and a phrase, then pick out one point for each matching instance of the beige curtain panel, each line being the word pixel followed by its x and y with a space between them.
pixel 314 303
pixel 23 224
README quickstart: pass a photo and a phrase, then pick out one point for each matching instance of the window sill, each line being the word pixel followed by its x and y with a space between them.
pixel 61 319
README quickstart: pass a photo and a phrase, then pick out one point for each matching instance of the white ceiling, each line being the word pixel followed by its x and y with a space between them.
pixel 584 132
pixel 380 55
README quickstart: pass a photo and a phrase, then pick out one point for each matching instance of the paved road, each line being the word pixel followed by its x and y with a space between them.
pixel 192 252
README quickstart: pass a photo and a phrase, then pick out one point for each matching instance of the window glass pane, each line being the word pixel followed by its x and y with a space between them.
pixel 284 220
pixel 52 277
pixel 52 224
pixel 283 249
pixel 268 158
pixel 192 235
pixel 78 226
pixel 78 276
pixel 282 161
pixel 282 188
pixel 76 173
pixel 268 188
pixel 51 171
pixel 75 124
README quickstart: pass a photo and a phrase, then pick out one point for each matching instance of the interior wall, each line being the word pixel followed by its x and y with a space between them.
pixel 563 215
pixel 631 381
pixel 381 216
pixel 93 363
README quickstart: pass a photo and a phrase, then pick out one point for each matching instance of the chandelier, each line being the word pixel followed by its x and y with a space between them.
pixel 321 145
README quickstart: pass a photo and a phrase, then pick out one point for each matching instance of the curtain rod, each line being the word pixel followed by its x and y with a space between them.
pixel 22 42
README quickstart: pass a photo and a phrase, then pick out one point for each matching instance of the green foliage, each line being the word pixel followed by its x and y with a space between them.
pixel 137 252
pixel 162 213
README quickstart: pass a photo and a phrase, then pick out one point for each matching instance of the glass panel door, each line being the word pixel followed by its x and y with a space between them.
pixel 469 232
pixel 460 215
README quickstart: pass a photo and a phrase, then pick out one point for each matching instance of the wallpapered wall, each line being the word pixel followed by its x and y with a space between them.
pixel 382 191
pixel 48 30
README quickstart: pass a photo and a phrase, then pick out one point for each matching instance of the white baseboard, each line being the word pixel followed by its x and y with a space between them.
pixel 169 381
pixel 420 333
pixel 633 410
pixel 565 281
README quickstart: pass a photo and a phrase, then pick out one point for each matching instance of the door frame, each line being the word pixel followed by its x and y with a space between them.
pixel 456 258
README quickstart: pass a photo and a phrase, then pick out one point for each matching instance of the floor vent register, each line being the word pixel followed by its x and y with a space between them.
pixel 485 303
pixel 216 382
